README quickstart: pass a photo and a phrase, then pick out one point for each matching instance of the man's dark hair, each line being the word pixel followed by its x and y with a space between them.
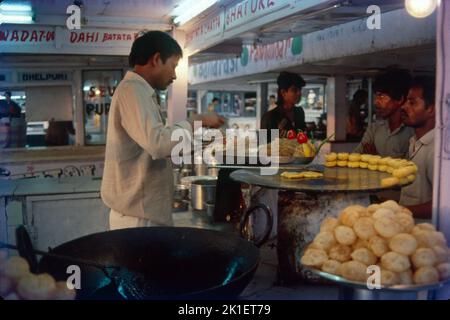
pixel 8 93
pixel 272 96
pixel 150 43
pixel 428 86
pixel 215 99
pixel 286 80
pixel 395 83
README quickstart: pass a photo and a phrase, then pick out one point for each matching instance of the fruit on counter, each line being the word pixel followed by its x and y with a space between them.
pixel 302 137
pixel 291 135
pixel 384 235
pixel 18 283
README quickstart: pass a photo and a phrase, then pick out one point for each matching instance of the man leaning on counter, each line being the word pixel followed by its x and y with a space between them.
pixel 138 178
pixel 388 137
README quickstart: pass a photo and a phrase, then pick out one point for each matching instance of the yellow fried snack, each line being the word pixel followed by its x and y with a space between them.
pixel 342 163
pixel 404 172
pixel 384 161
pixel 395 262
pixel 36 287
pixel 403 243
pixel 387 227
pixel 330 164
pixel 360 243
pixel 378 245
pixel 389 278
pixel 324 240
pixel 426 226
pixel 426 275
pixel 331 157
pixel 391 204
pixel 332 266
pixel 372 167
pixel 441 254
pixel 314 257
pixel 363 228
pixel 353 164
pixel 365 256
pixel 354 157
pixel 363 165
pixel 349 215
pixel 389 182
pixel 15 267
pixel 340 253
pixel 443 270
pixel 383 213
pixel 373 207
pixel 62 292
pixel 342 156
pixel 406 277
pixel 405 220
pixel 365 157
pixel 373 160
pixel 328 224
pixel 389 170
pixel 354 270
pixel 382 167
pixel 423 257
pixel 344 235
pixel 411 178
pixel 312 174
pixel 301 175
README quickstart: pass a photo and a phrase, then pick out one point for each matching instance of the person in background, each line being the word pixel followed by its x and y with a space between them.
pixel 212 107
pixel 419 112
pixel 388 137
pixel 272 102
pixel 9 108
pixel 137 180
pixel 58 133
pixel 355 121
pixel 286 116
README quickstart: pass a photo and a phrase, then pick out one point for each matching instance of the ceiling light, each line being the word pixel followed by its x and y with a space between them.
pixel 420 8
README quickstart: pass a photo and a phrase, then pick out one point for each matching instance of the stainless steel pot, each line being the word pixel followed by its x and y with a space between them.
pixel 202 191
pixel 181 192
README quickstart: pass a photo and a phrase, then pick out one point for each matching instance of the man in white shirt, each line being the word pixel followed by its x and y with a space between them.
pixel 138 179
pixel 388 137
pixel 419 113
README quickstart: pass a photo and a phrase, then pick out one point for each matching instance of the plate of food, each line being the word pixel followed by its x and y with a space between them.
pixel 382 242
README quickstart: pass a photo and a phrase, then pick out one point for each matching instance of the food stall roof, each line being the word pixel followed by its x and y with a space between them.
pixel 318 15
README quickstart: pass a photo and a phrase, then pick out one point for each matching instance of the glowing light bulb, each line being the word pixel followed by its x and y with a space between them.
pixel 420 8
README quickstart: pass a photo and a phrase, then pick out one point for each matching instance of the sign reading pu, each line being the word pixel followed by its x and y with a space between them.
pixel 73 22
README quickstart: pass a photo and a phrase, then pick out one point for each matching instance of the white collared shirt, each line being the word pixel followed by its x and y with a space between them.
pixel 421 152
pixel 138 176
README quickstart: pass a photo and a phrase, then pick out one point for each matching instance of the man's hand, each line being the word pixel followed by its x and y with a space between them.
pixel 370 148
pixel 210 120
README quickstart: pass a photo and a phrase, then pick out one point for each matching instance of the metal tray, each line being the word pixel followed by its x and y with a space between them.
pixel 360 285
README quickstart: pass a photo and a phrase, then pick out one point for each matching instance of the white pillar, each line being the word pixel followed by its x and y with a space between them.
pixel 441 185
pixel 177 94
pixel 337 107
pixel 77 91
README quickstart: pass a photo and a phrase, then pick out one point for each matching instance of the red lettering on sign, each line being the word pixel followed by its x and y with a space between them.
pixel 239 12
pixel 34 36
pixel 24 36
pixel 261 5
pixel 15 36
pixel 4 35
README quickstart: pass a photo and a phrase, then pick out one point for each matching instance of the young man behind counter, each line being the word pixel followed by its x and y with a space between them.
pixel 419 112
pixel 138 179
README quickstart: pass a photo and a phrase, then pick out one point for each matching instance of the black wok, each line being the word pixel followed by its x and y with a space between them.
pixel 172 263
